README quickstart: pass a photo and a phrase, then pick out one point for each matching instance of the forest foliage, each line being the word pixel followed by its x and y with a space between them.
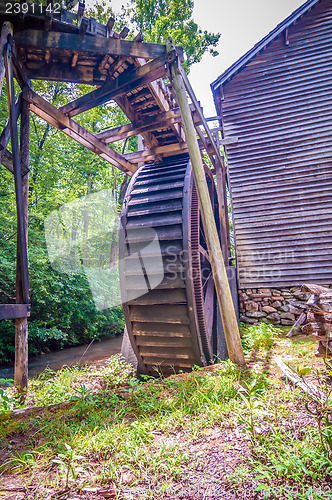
pixel 63 312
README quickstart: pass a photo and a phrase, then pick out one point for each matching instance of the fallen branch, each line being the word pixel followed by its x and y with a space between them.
pixel 297 325
pixel 65 405
pixel 309 389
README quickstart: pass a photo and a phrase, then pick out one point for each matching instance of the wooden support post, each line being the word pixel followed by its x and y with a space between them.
pixel 22 295
pixel 21 192
pixel 223 291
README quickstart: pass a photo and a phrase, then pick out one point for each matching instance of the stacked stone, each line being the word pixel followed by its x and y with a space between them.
pixel 270 305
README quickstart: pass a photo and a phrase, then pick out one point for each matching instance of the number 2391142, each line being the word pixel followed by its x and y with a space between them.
pixel 32 8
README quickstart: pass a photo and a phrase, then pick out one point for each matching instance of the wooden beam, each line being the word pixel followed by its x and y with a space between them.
pixel 223 210
pixel 6 30
pixel 223 291
pixel 13 311
pixel 59 120
pixel 167 150
pixel 5 134
pixel 22 295
pixel 221 194
pixel 22 277
pixel 90 44
pixel 150 154
pixel 199 111
pixel 7 162
pixel 163 103
pixel 122 85
pixel 129 130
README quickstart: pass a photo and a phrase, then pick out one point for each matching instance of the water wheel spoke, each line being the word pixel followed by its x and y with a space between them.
pixel 209 306
pixel 204 255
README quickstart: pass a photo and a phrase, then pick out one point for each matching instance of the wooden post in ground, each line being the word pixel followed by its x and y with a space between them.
pixel 223 291
pixel 22 295
pixel 21 193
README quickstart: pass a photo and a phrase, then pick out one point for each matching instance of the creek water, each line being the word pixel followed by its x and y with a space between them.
pixel 97 353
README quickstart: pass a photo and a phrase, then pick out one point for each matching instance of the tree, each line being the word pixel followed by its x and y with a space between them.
pixel 159 19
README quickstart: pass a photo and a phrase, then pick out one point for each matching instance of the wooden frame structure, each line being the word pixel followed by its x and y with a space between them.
pixel 49 46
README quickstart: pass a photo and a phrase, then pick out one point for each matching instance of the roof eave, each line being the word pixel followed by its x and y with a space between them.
pixel 258 47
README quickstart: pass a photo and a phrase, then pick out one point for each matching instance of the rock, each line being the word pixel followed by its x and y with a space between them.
pixel 251 306
pixel 288 316
pixel 299 295
pixel 256 314
pixel 297 304
pixel 273 317
pixel 286 295
pixel 276 304
pixel 264 290
pixel 294 310
pixel 243 296
pixel 286 322
pixel 265 300
pixel 277 297
pixel 250 321
pixel 269 309
pixel 283 308
pixel 258 296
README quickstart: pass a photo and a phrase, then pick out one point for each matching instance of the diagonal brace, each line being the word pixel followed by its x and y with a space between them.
pixel 58 119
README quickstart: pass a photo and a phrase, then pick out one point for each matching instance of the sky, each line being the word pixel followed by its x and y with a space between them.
pixel 241 23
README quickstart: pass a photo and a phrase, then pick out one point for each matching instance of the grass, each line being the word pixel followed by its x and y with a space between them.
pixel 216 431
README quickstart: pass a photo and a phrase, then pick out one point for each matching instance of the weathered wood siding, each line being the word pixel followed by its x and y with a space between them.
pixel 280 107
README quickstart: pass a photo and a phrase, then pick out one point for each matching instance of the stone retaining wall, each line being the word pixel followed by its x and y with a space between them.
pixel 279 307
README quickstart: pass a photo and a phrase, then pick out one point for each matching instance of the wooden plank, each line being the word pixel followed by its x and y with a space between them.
pixel 122 85
pixel 160 314
pixel 149 154
pixel 148 125
pixel 13 311
pixel 59 120
pixel 90 44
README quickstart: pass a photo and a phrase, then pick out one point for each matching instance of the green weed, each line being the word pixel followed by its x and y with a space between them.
pixel 260 336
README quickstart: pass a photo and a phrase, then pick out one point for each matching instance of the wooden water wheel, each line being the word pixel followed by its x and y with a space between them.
pixel 167 287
